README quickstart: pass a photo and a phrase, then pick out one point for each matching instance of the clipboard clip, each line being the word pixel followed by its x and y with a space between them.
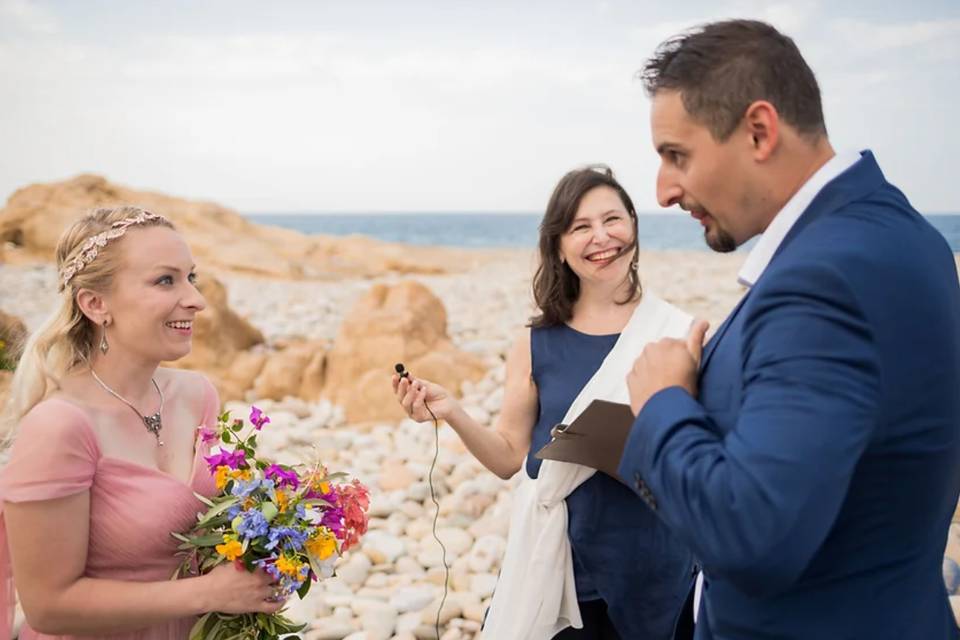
pixel 559 430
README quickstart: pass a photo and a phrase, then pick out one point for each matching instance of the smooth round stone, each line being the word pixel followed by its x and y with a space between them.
pixel 486 553
pixel 378 581
pixel 413 598
pixel 412 509
pixel 379 621
pixel 457 541
pixel 409 566
pixel 330 629
pixel 408 622
pixel 354 571
pixel 383 547
pixel 451 609
pixel 483 584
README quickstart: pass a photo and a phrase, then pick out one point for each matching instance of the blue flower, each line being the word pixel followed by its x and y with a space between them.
pixel 292 539
pixel 252 524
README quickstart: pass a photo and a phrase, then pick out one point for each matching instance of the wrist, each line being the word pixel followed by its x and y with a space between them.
pixel 200 595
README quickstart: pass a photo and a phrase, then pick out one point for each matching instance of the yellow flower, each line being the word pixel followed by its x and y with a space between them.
pixel 231 549
pixel 289 566
pixel 324 487
pixel 322 544
pixel 241 474
pixel 282 500
pixel 221 476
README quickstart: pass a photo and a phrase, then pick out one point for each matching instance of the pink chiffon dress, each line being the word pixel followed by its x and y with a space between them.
pixel 133 508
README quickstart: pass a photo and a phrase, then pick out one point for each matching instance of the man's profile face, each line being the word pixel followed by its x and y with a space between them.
pixel 700 174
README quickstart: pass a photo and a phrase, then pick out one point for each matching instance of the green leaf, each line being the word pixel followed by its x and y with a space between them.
pixel 209 540
pixel 205 500
pixel 204 520
pixel 304 588
pixel 226 438
pixel 269 511
pixel 198 630
pixel 236 426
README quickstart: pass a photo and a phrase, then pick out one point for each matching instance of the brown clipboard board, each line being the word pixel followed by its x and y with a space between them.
pixel 595 439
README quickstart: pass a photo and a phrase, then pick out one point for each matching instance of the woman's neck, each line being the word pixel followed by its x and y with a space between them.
pixel 600 309
pixel 129 377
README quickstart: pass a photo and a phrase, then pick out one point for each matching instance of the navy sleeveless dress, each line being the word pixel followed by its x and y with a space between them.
pixel 622 553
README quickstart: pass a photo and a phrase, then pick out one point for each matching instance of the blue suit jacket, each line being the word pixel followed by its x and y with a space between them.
pixel 816 474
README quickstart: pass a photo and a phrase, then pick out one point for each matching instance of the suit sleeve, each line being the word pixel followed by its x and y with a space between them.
pixel 755 504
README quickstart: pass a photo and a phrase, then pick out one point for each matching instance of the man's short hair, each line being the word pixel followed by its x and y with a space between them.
pixel 723 67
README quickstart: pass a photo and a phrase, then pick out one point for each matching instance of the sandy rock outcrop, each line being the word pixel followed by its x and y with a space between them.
pixel 220 238
pixel 405 323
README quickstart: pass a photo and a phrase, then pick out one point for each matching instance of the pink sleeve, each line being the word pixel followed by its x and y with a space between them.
pixel 54 454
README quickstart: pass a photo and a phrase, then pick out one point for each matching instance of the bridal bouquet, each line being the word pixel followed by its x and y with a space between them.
pixel 292 521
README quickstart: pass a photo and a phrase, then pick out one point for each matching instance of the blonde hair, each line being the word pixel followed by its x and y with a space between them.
pixel 67 338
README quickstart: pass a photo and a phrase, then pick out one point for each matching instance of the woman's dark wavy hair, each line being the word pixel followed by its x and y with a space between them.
pixel 555 286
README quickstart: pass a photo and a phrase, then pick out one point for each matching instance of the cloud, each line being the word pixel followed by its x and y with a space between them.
pixel 28 17
pixel 868 38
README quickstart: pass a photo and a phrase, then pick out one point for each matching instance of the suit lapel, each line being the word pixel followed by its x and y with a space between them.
pixel 715 340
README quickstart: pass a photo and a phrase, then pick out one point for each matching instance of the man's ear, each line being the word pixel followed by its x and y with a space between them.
pixel 93 305
pixel 762 124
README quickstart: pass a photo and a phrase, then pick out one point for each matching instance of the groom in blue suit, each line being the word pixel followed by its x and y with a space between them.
pixel 810 453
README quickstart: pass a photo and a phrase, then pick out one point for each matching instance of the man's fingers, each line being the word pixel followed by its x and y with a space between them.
pixel 695 337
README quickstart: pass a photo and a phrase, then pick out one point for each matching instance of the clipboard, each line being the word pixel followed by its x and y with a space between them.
pixel 595 439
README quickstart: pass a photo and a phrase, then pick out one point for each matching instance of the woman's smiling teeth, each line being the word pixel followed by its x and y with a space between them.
pixel 180 324
pixel 602 256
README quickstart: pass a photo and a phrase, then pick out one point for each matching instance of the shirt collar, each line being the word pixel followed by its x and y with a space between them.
pixel 762 252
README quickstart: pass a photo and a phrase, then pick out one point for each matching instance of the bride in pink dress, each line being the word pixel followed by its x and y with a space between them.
pixel 107 449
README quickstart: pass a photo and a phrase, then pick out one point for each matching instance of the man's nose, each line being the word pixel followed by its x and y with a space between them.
pixel 669 191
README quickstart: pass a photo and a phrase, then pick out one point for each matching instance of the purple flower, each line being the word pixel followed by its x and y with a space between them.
pixel 283 477
pixel 333 520
pixel 232 459
pixel 208 435
pixel 257 419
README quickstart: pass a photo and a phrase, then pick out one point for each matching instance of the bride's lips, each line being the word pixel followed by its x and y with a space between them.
pixel 182 327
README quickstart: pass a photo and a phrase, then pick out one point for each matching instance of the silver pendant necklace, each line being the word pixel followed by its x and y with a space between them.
pixel 152 423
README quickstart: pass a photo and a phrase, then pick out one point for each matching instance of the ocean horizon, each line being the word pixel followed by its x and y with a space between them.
pixel 657 231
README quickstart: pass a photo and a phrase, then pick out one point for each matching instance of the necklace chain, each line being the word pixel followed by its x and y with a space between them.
pixel 152 423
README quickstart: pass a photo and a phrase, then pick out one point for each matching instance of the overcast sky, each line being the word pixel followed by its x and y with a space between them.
pixel 428 106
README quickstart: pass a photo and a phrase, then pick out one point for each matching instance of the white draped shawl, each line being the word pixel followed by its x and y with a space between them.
pixel 535 596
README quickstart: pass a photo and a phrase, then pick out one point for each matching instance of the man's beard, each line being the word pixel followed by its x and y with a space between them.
pixel 719 240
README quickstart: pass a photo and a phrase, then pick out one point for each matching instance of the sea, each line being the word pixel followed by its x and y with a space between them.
pixel 509 230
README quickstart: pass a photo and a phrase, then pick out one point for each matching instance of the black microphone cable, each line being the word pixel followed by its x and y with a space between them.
pixel 433 496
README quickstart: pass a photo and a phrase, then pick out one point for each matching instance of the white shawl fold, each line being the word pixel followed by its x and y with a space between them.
pixel 535 596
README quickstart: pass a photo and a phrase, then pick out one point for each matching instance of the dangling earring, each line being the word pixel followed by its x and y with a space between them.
pixel 104 345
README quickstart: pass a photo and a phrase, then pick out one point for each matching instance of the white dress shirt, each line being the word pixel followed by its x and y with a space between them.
pixel 762 252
